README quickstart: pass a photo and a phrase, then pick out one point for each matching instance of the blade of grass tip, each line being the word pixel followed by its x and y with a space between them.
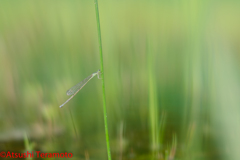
pixel 26 142
pixel 28 146
pixel 103 84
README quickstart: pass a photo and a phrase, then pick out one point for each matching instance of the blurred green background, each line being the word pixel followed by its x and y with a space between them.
pixel 171 74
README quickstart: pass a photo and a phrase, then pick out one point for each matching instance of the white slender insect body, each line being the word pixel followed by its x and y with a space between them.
pixel 75 89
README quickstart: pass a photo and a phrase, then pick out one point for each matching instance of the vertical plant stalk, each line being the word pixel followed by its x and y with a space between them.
pixel 153 109
pixel 103 84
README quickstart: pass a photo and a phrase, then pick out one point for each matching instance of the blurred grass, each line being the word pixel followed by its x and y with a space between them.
pixel 47 47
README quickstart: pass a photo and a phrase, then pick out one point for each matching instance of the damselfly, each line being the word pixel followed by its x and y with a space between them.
pixel 75 89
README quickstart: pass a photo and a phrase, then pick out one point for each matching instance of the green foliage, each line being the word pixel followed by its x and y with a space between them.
pixel 170 68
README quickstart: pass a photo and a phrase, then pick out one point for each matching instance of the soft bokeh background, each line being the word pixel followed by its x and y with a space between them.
pixel 171 71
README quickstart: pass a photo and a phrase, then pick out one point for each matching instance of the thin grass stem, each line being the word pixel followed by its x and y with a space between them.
pixel 103 84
